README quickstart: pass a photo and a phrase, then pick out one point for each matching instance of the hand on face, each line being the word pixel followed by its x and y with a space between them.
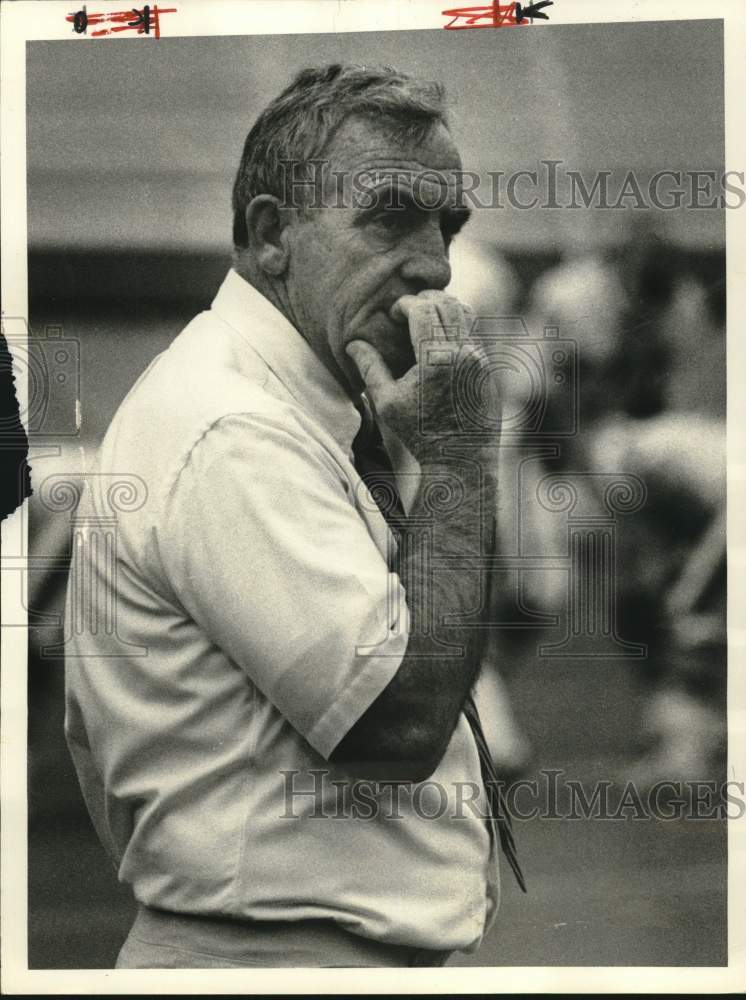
pixel 423 406
pixel 387 331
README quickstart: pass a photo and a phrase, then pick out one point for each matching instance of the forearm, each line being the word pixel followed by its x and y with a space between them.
pixel 406 731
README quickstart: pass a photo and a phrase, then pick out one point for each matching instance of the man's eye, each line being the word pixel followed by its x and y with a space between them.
pixel 391 221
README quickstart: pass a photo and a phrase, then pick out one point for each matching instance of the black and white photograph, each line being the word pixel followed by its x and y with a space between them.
pixel 373 461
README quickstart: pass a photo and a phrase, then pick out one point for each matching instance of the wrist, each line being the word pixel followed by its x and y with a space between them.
pixel 447 450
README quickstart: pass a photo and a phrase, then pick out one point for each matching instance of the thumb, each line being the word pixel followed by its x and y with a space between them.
pixel 373 369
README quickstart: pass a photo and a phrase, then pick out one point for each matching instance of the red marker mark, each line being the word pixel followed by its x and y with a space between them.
pixel 496 15
pixel 142 21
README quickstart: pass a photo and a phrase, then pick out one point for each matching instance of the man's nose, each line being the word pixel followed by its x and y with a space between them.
pixel 427 264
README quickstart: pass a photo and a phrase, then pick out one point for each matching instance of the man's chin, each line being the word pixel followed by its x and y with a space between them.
pixel 392 342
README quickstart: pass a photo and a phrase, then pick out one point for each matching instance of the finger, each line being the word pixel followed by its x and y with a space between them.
pixel 452 315
pixel 403 306
pixel 422 317
pixel 449 318
pixel 373 369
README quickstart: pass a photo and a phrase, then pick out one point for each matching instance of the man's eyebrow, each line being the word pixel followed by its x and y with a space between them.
pixel 388 195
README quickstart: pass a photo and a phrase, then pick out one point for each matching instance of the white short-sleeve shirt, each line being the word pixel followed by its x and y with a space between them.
pixel 256 617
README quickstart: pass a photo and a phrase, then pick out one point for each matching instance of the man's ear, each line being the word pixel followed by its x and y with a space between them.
pixel 266 222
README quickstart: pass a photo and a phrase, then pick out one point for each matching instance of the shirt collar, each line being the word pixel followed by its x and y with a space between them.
pixel 289 357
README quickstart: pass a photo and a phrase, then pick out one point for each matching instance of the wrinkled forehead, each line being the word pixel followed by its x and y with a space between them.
pixel 364 156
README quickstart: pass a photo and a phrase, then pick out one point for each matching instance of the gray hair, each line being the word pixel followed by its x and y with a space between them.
pixel 296 127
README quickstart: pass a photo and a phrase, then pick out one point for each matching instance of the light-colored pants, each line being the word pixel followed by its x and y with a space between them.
pixel 161 940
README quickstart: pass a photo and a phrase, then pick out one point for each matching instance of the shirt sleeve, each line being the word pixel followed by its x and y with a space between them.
pixel 266 551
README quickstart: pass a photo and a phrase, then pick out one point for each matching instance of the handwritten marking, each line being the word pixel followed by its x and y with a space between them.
pixel 145 20
pixel 495 15
pixel 533 10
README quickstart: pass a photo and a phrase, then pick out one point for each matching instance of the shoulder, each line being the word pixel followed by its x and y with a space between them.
pixel 268 443
pixel 208 394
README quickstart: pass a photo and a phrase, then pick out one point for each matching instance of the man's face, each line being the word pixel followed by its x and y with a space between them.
pixel 374 241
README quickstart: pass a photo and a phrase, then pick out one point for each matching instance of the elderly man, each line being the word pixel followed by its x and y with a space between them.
pixel 281 750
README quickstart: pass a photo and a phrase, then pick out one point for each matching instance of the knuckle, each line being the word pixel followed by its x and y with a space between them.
pixel 450 301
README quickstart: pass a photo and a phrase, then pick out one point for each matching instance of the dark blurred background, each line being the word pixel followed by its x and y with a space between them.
pixel 132 150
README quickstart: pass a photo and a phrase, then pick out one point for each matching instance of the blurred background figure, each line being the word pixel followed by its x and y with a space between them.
pixel 673 560
pixel 651 388
pixel 583 300
pixel 483 278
